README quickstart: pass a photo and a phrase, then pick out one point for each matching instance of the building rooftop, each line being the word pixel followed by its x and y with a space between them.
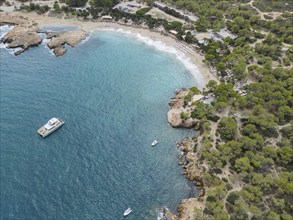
pixel 107 17
pixel 196 98
pixel 223 33
pixel 129 7
pixel 173 32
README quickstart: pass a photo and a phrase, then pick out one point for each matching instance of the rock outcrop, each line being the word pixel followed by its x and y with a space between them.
pixel 58 40
pixel 185 209
pixel 177 107
pixel 26 35
pixel 188 158
pixel 168 215
pixel 174 118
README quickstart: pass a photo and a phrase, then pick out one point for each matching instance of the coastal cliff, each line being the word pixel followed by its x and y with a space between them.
pixel 26 34
pixel 188 158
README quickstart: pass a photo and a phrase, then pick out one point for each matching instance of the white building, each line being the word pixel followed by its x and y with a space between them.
pixel 223 33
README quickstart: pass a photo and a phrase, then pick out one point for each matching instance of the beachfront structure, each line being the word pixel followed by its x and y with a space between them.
pixel 173 32
pixel 190 16
pixel 129 7
pixel 205 37
pixel 196 98
pixel 159 5
pixel 107 18
pixel 223 33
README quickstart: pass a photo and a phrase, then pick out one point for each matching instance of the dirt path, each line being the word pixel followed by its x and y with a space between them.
pixel 274 15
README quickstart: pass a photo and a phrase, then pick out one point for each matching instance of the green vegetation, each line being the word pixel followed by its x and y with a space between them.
pixel 184 115
pixel 253 142
pixel 142 11
pixel 56 7
pixel 270 5
pixel 76 3
pixel 227 128
pixel 103 3
pixel 35 7
pixel 174 13
pixel 245 142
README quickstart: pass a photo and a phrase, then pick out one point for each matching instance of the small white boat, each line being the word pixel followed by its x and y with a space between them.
pixel 127 211
pixel 154 143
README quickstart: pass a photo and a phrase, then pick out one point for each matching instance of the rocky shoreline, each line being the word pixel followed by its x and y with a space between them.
pixel 26 34
pixel 188 158
pixel 176 108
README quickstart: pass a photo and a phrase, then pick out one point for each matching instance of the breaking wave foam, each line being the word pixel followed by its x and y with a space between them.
pixel 161 214
pixel 45 41
pixel 3 31
pixel 89 35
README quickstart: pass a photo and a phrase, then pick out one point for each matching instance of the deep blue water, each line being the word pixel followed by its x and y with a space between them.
pixel 112 92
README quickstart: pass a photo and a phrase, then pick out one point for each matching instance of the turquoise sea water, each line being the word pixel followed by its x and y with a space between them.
pixel 112 92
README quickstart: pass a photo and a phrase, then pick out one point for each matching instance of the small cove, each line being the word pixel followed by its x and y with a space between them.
pixel 112 91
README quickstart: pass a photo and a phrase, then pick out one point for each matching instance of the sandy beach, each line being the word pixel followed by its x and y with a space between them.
pixel 183 52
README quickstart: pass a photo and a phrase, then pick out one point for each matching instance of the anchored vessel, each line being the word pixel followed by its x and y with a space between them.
pixel 52 125
pixel 154 143
pixel 127 211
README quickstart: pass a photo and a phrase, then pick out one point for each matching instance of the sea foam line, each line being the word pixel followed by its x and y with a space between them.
pixel 5 29
pixel 161 213
pixel 86 39
pixel 161 46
